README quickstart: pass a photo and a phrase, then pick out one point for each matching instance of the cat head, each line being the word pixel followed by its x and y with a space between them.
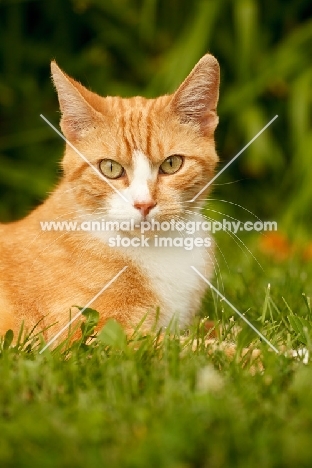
pixel 151 155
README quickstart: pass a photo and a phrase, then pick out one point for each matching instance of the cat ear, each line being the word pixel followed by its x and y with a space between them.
pixel 78 116
pixel 196 99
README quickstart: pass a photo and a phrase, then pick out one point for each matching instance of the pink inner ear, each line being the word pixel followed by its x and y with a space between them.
pixel 77 119
pixel 208 122
pixel 196 99
pixel 70 128
pixel 78 115
pixel 196 105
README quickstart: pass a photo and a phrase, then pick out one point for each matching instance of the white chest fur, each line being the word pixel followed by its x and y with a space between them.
pixel 174 282
pixel 168 271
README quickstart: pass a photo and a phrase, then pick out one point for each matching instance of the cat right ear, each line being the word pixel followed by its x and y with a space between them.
pixel 196 99
pixel 78 116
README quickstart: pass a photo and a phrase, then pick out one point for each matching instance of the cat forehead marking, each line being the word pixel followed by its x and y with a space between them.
pixel 142 169
pixel 142 174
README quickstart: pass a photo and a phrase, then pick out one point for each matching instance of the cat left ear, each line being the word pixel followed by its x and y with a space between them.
pixel 78 116
pixel 196 99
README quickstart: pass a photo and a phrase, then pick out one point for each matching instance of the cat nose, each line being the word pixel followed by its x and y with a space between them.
pixel 145 207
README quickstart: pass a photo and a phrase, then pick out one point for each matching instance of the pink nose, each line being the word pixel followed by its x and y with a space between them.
pixel 145 207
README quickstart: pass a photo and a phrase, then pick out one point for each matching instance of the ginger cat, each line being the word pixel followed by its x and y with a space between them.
pixel 158 154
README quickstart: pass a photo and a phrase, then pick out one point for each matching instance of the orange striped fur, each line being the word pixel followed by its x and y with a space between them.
pixel 44 274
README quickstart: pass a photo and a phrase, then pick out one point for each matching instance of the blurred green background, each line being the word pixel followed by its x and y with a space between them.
pixel 147 47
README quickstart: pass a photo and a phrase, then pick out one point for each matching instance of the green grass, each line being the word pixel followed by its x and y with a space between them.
pixel 152 403
pixel 155 401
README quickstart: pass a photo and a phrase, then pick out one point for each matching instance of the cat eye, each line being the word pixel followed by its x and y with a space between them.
pixel 111 169
pixel 171 164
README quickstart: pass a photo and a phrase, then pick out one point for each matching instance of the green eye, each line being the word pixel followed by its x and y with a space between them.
pixel 171 164
pixel 111 169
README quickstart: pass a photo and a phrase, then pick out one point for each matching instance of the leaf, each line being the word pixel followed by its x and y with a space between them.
pixel 307 303
pixel 8 338
pixel 92 319
pixel 112 334
pixel 92 316
pixel 301 326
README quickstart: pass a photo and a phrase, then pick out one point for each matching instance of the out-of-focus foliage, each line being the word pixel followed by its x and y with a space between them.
pixel 147 47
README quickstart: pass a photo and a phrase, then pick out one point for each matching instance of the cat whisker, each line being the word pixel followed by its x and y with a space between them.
pixel 215 211
pixel 230 203
pixel 227 183
pixel 213 258
pixel 235 238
